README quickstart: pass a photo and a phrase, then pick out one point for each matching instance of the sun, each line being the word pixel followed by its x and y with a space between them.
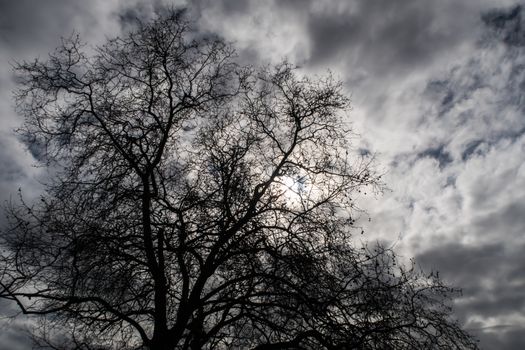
pixel 293 188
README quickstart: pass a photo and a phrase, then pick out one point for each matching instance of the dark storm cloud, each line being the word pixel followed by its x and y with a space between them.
pixel 35 27
pixel 235 6
pixel 130 14
pixel 492 280
pixel 506 338
pixel 508 221
pixel 507 24
pixel 388 34
pixel 15 338
pixel 129 17
pixel 13 333
pixel 223 9
pixel 469 266
pixel 26 24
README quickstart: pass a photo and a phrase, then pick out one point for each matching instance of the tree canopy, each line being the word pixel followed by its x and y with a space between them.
pixel 200 204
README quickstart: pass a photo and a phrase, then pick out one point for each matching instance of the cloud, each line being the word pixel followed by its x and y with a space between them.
pixel 13 333
pixel 30 29
pixel 33 28
pixel 458 178
pixel 437 90
pixel 262 31
pixel 387 35
pixel 507 24
pixel 492 306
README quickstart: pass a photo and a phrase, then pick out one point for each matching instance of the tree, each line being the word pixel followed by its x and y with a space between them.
pixel 198 204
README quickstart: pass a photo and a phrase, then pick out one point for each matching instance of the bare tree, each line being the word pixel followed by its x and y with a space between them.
pixel 198 204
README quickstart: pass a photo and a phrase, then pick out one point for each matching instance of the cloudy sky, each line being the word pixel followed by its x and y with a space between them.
pixel 438 96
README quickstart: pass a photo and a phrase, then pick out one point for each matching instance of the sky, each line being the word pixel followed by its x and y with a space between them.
pixel 437 90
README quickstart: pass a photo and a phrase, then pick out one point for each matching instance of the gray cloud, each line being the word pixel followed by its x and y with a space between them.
pixel 36 27
pixel 492 280
pixel 439 153
pixel 437 90
pixel 503 338
pixel 507 25
pixel 30 29
pixel 466 219
pixel 387 33
pixel 14 332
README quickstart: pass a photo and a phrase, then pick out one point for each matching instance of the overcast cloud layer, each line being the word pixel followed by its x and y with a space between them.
pixel 438 96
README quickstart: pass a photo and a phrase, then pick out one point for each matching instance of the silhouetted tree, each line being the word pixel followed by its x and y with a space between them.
pixel 197 204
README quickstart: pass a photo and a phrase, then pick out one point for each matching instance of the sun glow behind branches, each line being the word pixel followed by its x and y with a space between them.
pixel 294 186
pixel 294 189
